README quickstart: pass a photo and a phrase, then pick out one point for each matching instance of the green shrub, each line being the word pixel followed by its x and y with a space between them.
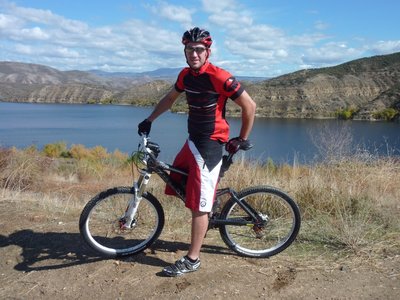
pixel 346 114
pixel 92 101
pixel 107 101
pixel 387 114
pixel 58 149
pixel 80 152
pixel 99 153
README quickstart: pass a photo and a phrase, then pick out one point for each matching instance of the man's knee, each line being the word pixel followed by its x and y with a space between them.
pixel 199 213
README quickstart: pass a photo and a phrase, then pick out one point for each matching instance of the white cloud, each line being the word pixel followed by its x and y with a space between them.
pixel 330 54
pixel 66 43
pixel 385 47
pixel 257 46
pixel 231 20
pixel 47 17
pixel 8 21
pixel 263 47
pixel 53 52
pixel 64 53
pixel 23 49
pixel 243 44
pixel 268 46
pixel 35 33
pixel 321 25
pixel 173 13
pixel 28 24
pixel 220 6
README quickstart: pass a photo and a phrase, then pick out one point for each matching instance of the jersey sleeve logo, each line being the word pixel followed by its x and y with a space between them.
pixel 231 84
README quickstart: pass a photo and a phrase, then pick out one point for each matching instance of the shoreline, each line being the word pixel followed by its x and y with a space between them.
pixel 232 115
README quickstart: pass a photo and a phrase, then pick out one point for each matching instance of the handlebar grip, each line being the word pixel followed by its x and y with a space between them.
pixel 246 147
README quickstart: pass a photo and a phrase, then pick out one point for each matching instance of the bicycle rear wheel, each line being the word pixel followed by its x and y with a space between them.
pixel 279 228
pixel 100 228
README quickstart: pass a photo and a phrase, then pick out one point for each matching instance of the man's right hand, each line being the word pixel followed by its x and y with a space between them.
pixel 144 127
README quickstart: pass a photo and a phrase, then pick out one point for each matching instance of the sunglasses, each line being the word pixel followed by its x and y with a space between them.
pixel 198 50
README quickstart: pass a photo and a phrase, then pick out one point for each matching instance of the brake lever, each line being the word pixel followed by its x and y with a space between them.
pixel 247 147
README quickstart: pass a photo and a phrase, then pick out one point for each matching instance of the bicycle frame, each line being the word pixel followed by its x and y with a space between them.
pixel 153 165
pixel 243 204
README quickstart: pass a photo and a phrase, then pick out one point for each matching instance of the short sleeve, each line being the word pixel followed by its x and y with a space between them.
pixel 233 88
pixel 227 84
pixel 179 86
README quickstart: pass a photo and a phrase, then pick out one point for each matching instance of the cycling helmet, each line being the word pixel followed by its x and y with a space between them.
pixel 197 35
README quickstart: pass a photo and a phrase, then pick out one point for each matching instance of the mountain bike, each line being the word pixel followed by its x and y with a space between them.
pixel 258 221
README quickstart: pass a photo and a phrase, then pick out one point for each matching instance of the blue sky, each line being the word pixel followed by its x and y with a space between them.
pixel 251 38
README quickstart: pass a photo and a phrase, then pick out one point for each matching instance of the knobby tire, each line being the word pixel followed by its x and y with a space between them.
pixel 274 236
pixel 99 223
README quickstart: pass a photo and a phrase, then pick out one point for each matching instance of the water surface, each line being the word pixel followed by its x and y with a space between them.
pixel 115 127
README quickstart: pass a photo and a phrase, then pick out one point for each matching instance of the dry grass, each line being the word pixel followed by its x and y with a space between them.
pixel 348 206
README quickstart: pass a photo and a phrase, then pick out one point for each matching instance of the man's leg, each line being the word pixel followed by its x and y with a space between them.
pixel 191 261
pixel 199 230
pixel 200 192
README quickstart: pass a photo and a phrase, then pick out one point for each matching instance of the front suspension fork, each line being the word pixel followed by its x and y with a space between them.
pixel 128 221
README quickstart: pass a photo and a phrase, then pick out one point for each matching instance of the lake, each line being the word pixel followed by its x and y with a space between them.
pixel 115 127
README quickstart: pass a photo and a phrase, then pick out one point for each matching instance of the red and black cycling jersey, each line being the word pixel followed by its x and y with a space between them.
pixel 207 92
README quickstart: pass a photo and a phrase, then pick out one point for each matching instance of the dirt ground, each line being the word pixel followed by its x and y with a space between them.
pixel 43 257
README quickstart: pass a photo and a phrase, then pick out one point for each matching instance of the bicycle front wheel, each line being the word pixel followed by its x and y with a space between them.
pixel 278 225
pixel 100 223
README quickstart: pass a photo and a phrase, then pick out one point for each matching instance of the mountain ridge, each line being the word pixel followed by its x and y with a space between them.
pixel 364 88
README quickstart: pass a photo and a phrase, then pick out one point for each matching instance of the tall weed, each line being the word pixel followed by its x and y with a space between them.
pixel 349 204
pixel 21 170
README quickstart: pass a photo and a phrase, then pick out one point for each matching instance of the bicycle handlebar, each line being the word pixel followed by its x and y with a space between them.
pixel 153 149
pixel 145 142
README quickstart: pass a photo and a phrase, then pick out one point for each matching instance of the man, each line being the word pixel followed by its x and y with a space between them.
pixel 207 89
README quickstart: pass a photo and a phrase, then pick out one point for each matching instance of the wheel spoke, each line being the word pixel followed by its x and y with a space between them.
pixel 101 229
pixel 280 227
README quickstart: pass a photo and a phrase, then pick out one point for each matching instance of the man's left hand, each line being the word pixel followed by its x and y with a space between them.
pixel 236 144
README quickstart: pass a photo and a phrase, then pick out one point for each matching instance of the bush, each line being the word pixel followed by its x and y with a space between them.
pixel 92 101
pixel 58 149
pixel 346 114
pixel 348 204
pixel 99 153
pixel 22 170
pixel 80 152
pixel 388 114
pixel 107 101
pixel 334 143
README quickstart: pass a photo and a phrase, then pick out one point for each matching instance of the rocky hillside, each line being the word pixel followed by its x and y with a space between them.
pixel 367 88
pixel 363 88
pixel 20 82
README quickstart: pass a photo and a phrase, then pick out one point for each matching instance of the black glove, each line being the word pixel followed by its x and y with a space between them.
pixel 144 127
pixel 237 143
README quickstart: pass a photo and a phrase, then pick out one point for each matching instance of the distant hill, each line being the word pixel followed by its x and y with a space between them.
pixel 168 74
pixel 21 82
pixel 367 88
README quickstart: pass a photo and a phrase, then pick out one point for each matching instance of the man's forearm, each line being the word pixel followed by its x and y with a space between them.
pixel 248 107
pixel 165 104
